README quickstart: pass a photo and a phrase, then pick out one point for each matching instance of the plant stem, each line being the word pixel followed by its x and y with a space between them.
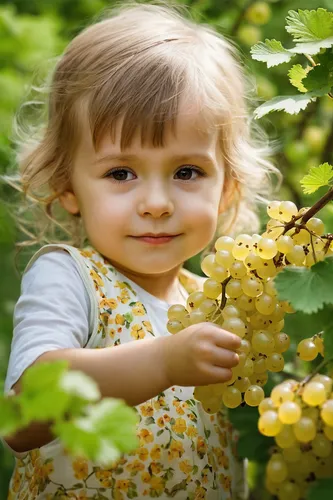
pixel 316 370
pixel 312 61
pixel 312 211
pixel 224 298
pixel 240 17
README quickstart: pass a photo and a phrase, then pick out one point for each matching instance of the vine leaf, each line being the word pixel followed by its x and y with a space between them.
pixel 307 289
pixel 107 429
pixel 271 52
pixel 291 104
pixel 310 25
pixel 316 178
pixel 321 76
pixel 296 74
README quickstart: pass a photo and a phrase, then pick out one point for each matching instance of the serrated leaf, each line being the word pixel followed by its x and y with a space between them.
pixel 321 489
pixel 310 25
pixel 316 178
pixel 42 406
pixel 328 339
pixel 291 104
pixel 321 76
pixel 312 48
pixel 296 74
pixel 307 289
pixel 43 376
pixel 107 430
pixel 271 52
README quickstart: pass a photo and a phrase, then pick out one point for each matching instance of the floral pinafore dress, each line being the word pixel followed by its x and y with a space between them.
pixel 184 453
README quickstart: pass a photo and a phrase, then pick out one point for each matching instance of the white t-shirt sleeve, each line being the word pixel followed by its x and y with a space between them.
pixel 52 312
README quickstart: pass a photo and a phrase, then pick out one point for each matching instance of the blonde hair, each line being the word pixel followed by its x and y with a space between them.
pixel 136 64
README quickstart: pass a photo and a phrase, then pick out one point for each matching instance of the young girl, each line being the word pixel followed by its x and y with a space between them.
pixel 147 142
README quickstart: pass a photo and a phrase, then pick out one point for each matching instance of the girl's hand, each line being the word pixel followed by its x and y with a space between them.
pixel 201 354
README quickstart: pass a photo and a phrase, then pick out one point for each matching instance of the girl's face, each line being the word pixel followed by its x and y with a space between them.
pixel 149 209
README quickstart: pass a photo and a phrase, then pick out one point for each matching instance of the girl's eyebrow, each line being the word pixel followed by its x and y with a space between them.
pixel 206 158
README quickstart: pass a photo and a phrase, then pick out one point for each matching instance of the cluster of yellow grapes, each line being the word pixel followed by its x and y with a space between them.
pixel 239 295
pixel 300 418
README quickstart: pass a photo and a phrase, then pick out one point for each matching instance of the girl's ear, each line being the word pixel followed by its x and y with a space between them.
pixel 69 202
pixel 230 189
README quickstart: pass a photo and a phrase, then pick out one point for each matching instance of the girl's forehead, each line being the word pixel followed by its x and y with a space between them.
pixel 187 131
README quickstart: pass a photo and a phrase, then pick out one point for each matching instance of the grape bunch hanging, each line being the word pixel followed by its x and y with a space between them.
pixel 300 418
pixel 239 295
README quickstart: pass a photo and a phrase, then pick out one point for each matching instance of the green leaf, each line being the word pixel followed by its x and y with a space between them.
pixel 307 289
pixel 106 430
pixel 312 48
pixel 300 325
pixel 296 74
pixel 43 406
pixel 321 489
pixel 321 76
pixel 10 416
pixel 316 178
pixel 43 376
pixel 271 52
pixel 310 25
pixel 291 104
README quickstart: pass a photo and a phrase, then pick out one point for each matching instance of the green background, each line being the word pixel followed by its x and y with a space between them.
pixel 33 32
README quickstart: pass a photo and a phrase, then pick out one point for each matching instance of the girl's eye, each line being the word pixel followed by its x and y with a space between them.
pixel 189 173
pixel 120 175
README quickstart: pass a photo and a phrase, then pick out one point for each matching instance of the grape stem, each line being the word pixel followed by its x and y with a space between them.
pixel 312 211
pixel 312 61
pixel 224 297
pixel 317 370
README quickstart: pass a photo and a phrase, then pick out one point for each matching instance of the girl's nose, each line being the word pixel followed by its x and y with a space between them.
pixel 156 202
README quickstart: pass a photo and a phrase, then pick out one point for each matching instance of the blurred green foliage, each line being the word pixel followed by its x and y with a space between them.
pixel 34 32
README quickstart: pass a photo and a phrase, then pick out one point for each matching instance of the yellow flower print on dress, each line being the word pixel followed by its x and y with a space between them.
pixel 148 327
pixel 156 486
pixel 176 449
pixel 101 268
pixel 145 477
pixel 225 481
pixel 201 447
pixel 156 452
pixel 124 296
pixel 146 436
pixel 191 431
pixel 156 468
pixel 179 427
pixel 159 402
pixel 135 467
pixel 137 332
pixel 119 319
pixel 138 309
pixel 80 468
pixel 123 484
pixel 146 409
pixel 142 453
pixel 108 303
pixel 200 493
pixel 96 279
pixel 185 466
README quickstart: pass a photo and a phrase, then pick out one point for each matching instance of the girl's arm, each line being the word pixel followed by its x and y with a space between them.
pixel 130 371
pixel 199 355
